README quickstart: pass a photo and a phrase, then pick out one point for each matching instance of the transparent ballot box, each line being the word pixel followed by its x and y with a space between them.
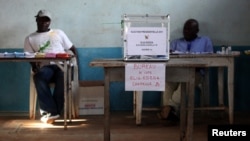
pixel 145 37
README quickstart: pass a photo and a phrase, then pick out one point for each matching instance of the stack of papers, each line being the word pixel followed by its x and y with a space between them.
pixel 40 55
pixel 50 55
pixel 1 55
pixel 9 55
pixel 19 54
pixel 29 55
pixel 33 55
pixel 62 55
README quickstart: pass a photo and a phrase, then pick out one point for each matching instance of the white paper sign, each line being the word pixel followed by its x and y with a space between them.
pixel 146 41
pixel 145 77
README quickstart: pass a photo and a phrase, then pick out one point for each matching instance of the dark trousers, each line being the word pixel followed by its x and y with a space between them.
pixel 50 101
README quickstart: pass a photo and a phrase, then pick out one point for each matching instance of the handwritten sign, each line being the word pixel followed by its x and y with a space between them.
pixel 147 41
pixel 145 77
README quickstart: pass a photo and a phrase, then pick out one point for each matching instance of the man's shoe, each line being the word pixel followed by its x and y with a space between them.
pixel 163 115
pixel 49 119
pixel 173 117
pixel 168 113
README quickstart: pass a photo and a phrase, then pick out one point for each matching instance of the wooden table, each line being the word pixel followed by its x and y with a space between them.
pixel 222 62
pixel 179 70
pixel 62 63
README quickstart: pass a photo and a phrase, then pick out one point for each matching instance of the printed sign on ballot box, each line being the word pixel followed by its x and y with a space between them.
pixel 147 41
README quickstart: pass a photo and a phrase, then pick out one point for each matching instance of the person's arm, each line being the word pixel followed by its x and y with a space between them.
pixel 209 45
pixel 73 49
pixel 172 47
pixel 35 66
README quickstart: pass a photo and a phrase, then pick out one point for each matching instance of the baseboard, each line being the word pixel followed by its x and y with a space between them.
pixel 14 114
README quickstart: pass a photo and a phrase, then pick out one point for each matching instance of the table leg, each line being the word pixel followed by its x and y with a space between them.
pixel 65 94
pixel 187 113
pixel 64 68
pixel 190 104
pixel 221 86
pixel 106 105
pixel 230 83
pixel 183 112
pixel 187 122
pixel 138 96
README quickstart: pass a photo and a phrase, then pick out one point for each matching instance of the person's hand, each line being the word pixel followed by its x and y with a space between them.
pixel 35 67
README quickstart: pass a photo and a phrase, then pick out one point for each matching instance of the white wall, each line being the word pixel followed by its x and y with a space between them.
pixel 96 23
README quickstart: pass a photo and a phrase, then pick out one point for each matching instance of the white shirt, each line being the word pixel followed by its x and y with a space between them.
pixel 58 41
pixel 55 40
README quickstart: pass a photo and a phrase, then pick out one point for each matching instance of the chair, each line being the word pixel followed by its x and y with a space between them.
pixel 73 96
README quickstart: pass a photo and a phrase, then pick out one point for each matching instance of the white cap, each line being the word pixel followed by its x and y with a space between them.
pixel 43 13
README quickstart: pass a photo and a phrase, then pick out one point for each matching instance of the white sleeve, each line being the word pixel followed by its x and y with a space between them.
pixel 27 45
pixel 67 44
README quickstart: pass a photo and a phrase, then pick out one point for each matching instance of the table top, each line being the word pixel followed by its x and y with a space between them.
pixel 42 59
pixel 121 63
pixel 205 55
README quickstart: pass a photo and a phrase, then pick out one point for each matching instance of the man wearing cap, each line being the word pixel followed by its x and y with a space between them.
pixel 48 40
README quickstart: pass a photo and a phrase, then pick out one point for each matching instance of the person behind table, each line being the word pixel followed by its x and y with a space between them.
pixel 48 40
pixel 189 43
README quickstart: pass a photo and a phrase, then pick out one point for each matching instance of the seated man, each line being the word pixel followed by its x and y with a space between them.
pixel 48 40
pixel 190 43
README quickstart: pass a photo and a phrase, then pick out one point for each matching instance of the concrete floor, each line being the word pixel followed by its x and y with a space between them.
pixel 123 128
